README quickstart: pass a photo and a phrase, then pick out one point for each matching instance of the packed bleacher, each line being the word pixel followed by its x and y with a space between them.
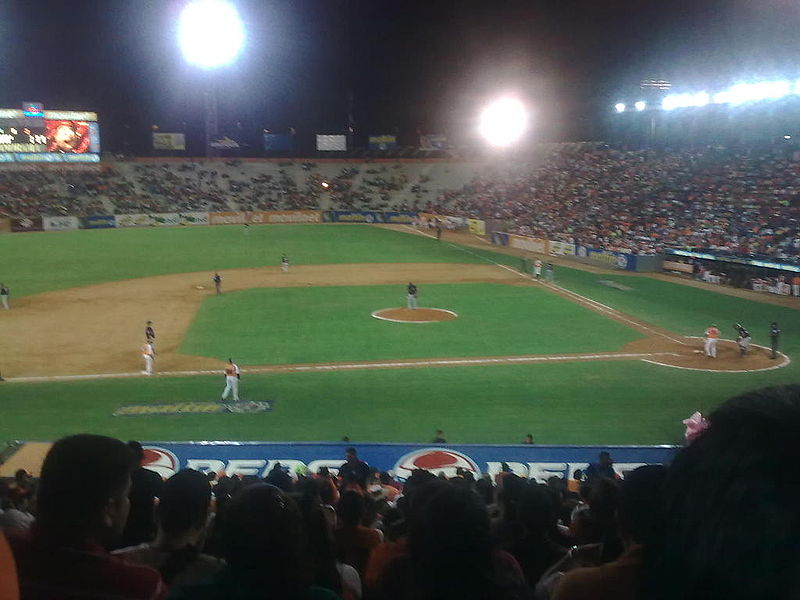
pixel 721 522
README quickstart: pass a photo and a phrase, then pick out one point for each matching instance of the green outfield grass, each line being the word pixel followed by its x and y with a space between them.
pixel 598 402
pixel 328 324
pixel 40 262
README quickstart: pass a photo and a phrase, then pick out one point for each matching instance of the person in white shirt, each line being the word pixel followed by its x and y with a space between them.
pixel 232 377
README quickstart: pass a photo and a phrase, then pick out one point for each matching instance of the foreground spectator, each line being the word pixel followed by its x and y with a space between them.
pixel 78 518
pixel 265 551
pixel 731 528
pixel 451 555
pixel 182 518
pixel 637 517
pixel 354 542
pixel 145 488
pixel 354 471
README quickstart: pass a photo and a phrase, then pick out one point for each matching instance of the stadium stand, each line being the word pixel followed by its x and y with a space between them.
pixel 720 522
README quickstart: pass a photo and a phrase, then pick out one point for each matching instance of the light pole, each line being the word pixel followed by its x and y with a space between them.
pixel 211 35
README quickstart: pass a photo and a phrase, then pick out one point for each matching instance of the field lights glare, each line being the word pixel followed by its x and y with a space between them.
pixel 503 122
pixel 619 107
pixel 640 105
pixel 210 33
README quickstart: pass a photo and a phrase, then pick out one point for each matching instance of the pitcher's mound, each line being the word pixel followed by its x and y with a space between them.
pixel 415 315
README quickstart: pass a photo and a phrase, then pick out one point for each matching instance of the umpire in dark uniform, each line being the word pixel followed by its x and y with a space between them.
pixel 774 337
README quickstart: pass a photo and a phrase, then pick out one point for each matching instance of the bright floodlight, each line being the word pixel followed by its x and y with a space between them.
pixel 210 33
pixel 503 122
pixel 619 107
pixel 640 105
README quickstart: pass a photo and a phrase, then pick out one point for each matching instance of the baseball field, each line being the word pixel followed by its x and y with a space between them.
pixel 594 358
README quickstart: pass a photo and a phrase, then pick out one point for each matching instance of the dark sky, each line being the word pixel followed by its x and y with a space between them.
pixel 409 65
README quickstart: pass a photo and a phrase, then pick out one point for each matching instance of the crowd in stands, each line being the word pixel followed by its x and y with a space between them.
pixel 720 522
pixel 734 202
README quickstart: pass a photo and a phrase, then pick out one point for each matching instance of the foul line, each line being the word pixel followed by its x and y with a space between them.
pixel 436 362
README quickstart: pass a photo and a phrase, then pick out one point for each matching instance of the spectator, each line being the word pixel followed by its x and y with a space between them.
pixel 638 516
pixel 438 438
pixel 528 439
pixel 9 585
pixel 16 515
pixel 604 467
pixel 731 524
pixel 354 542
pixel 265 550
pixel 354 471
pixel 79 515
pixel 451 555
pixel 182 517
pixel 145 489
pixel 278 477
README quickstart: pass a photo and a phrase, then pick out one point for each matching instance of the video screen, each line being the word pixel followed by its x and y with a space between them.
pixel 68 137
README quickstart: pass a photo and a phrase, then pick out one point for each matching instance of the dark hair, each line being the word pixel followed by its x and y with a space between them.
pixel 263 539
pixel 351 508
pixel 640 502
pixel 184 502
pixel 68 506
pixel 351 450
pixel 731 516
pixel 138 451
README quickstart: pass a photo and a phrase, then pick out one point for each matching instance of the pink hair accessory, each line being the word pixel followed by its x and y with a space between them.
pixel 695 425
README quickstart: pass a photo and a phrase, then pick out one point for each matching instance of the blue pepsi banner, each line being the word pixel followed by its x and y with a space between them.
pixel 257 458
pixel 98 222
pixel 616 260
pixel 399 216
pixel 353 216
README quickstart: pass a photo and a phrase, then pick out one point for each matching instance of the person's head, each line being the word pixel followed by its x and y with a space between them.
pixel 183 504
pixel 385 478
pixel 138 452
pixel 578 474
pixel 439 433
pixel 528 438
pixel 731 517
pixel 773 324
pixel 230 361
pixel 351 508
pixel 536 511
pixel 149 322
pixel 604 458
pixel 640 503
pixel 21 476
pixel 504 468
pixel 263 538
pixel 350 454
pixel 75 509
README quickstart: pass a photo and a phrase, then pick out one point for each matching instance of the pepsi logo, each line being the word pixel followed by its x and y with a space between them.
pixel 436 460
pixel 160 461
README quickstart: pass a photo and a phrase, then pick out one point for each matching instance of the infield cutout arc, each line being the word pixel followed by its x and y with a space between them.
pixel 451 315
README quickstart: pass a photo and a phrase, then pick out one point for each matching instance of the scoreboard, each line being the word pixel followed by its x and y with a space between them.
pixel 32 134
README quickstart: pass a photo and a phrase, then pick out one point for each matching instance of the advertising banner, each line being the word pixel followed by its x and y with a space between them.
pixel 557 248
pixel 292 216
pixel 22 224
pixel 672 265
pixel 98 222
pixel 499 238
pixel 139 220
pixel 169 141
pixel 433 141
pixel 277 142
pixel 193 218
pixel 382 142
pixel 226 218
pixel 5 225
pixel 477 226
pixel 404 217
pixel 331 143
pixel 615 260
pixel 256 458
pixel 353 216
pixel 530 244
pixel 59 223
pixel 165 219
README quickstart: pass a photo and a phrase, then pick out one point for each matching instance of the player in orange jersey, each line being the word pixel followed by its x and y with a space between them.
pixel 711 338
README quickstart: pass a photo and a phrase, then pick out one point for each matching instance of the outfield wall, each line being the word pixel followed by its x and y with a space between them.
pixel 258 458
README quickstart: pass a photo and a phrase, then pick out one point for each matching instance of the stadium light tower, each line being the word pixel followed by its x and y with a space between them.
pixel 503 122
pixel 211 35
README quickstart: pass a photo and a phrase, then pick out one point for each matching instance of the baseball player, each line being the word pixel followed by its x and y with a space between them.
pixel 411 297
pixel 284 263
pixel 711 338
pixel 537 269
pixel 742 339
pixel 148 354
pixel 150 333
pixel 774 336
pixel 232 377
pixel 548 272
pixel 217 283
pixel 4 295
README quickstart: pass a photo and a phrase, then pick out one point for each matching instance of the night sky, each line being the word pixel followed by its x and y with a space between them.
pixel 407 65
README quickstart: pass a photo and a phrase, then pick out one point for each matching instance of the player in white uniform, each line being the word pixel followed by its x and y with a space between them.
pixel 148 354
pixel 284 263
pixel 537 269
pixel 231 381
